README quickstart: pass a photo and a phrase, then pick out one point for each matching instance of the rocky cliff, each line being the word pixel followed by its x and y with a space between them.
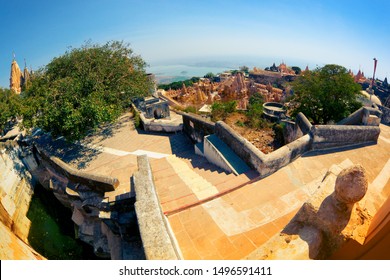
pixel 16 190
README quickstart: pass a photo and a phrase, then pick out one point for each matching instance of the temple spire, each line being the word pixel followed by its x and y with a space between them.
pixel 16 76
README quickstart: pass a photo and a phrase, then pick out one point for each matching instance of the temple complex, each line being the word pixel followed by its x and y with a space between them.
pixel 231 87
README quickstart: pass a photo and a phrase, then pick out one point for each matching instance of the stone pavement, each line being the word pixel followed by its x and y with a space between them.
pixel 215 215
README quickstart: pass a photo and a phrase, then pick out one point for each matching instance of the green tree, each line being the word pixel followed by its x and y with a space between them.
pixel 256 98
pixel 297 70
pixel 10 106
pixel 179 84
pixel 83 88
pixel 244 69
pixel 255 111
pixel 209 75
pixel 325 94
pixel 220 110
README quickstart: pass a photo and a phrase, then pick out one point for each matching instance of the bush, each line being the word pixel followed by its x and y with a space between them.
pixel 10 107
pixel 220 110
pixel 190 109
pixel 255 115
pixel 279 133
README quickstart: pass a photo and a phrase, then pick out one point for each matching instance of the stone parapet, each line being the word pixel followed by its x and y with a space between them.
pixel 331 136
pixel 197 127
pixel 157 240
pixel 265 164
pixel 95 182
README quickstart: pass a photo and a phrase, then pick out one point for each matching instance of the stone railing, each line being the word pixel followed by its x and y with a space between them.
pixel 331 136
pixel 265 164
pixel 197 127
pixel 357 117
pixel 157 239
pixel 97 183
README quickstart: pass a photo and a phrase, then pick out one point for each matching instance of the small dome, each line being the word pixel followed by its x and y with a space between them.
pixel 373 97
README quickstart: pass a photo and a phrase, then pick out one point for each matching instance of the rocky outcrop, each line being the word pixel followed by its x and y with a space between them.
pixel 16 190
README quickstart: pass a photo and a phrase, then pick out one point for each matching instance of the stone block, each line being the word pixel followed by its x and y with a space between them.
pixel 371 120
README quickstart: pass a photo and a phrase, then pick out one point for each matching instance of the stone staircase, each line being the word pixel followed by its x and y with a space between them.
pixel 220 154
pixel 182 183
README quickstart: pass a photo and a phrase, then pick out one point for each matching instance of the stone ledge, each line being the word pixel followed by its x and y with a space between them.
pixel 155 234
pixel 96 182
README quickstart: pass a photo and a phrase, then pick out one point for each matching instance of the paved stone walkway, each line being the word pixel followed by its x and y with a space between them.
pixel 214 215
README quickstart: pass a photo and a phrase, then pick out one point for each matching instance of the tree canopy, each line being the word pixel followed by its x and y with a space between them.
pixel 83 88
pixel 326 94
pixel 9 107
pixel 297 70
pixel 179 84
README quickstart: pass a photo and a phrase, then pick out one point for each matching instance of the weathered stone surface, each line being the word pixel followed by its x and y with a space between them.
pixel 197 127
pixel 16 190
pixel 155 235
pixel 351 185
pixel 326 221
pixel 329 136
pixel 304 245
pixel 96 182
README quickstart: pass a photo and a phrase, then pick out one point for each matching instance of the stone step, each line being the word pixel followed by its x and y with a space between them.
pixel 214 177
pixel 201 187
pixel 232 182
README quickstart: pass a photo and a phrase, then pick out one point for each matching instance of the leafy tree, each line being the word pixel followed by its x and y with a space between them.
pixel 256 98
pixel 220 110
pixel 325 94
pixel 209 75
pixel 179 84
pixel 83 88
pixel 255 111
pixel 10 107
pixel 244 69
pixel 297 70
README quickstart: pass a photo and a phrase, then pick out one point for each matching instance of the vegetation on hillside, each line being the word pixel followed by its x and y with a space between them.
pixel 10 106
pixel 255 111
pixel 326 94
pixel 253 117
pixel 179 84
pixel 83 88
pixel 220 110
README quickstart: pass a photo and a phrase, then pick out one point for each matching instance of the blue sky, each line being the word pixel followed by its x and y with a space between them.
pixel 300 32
